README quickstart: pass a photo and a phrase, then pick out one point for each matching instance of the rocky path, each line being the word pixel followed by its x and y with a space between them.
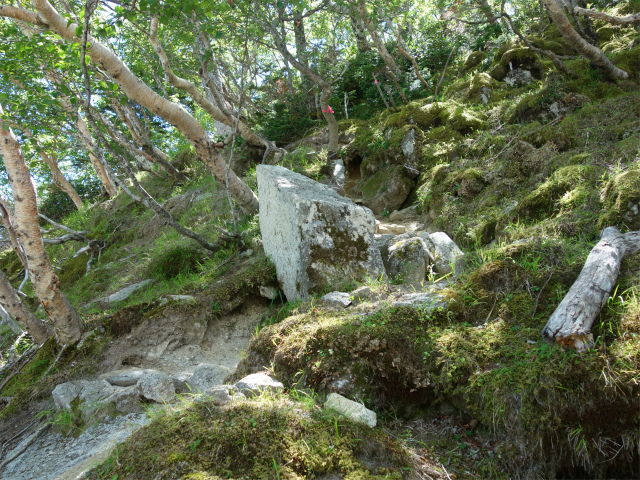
pixel 151 363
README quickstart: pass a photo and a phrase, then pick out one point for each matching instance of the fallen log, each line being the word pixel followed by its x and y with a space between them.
pixel 571 322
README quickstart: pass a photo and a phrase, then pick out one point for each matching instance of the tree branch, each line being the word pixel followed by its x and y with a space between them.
pixel 629 19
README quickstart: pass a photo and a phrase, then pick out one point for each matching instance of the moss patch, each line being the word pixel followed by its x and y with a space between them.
pixel 622 201
pixel 262 439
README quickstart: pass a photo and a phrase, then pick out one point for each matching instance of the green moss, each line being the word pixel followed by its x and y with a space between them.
pixel 383 180
pixel 556 47
pixel 263 438
pixel 73 270
pixel 480 354
pixel 442 135
pixel 629 60
pixel 545 200
pixel 516 57
pixel 472 60
pixel 622 201
pixel 481 83
pixel 10 263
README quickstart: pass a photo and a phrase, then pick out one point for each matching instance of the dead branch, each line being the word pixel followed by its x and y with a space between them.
pixel 571 322
pixel 629 19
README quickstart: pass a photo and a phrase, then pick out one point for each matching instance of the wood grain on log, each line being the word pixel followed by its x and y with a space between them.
pixel 571 322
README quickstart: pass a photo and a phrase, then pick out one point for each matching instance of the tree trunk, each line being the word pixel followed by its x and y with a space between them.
pixel 301 50
pixel 571 323
pixel 101 171
pixel 487 11
pixel 360 33
pixel 87 139
pixel 380 46
pixel 141 93
pixel 67 323
pixel 594 54
pixel 325 87
pixel 57 175
pixel 60 180
pixel 9 299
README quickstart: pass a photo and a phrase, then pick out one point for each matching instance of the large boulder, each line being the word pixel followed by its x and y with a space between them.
pixel 408 259
pixel 442 250
pixel 315 237
pixel 387 189
pixel 93 400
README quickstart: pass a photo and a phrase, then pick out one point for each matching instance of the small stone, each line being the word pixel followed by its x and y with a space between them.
pixel 127 400
pixel 125 292
pixel 408 259
pixel 268 292
pixel 206 376
pixel 126 379
pixel 182 298
pixel 393 228
pixel 442 250
pixel 337 299
pixel 257 382
pixel 222 394
pixel 361 293
pixel 430 301
pixel 352 410
pixel 156 386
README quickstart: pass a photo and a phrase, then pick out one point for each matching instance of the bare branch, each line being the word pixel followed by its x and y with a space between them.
pixel 629 19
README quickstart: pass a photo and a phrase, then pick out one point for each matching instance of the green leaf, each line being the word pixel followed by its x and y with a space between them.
pixel 78 31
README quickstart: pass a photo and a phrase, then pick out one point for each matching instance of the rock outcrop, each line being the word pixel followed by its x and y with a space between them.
pixel 315 237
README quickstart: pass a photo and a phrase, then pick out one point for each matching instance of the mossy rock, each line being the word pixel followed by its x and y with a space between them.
pixel 556 47
pixel 517 57
pixel 524 160
pixel 629 60
pixel 545 200
pixel 622 200
pixel 386 190
pixel 451 115
pixel 481 84
pixel 472 61
pixel 263 438
pixel 465 183
pixel 442 134
pixel 606 33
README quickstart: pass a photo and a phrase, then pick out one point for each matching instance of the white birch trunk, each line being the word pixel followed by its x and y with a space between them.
pixel 573 38
pixel 68 325
pixel 141 93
